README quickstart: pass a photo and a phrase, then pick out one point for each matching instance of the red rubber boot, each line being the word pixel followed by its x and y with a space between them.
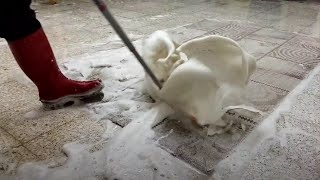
pixel 35 57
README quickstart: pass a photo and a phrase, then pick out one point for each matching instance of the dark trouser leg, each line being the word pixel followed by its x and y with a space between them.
pixel 17 19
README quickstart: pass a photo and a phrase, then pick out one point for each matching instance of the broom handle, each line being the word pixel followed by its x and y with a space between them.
pixel 104 10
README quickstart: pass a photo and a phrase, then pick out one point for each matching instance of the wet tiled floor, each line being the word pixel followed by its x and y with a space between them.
pixel 282 35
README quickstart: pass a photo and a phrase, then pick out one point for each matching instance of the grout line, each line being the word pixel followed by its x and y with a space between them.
pixel 20 143
pixel 38 158
pixel 270 85
pixel 252 33
pixel 55 128
pixel 38 136
pixel 292 60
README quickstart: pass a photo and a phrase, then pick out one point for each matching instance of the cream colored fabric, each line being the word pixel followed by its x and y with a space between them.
pixel 202 77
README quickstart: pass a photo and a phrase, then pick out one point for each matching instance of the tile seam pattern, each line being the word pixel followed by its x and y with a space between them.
pixel 23 143
pixel 19 142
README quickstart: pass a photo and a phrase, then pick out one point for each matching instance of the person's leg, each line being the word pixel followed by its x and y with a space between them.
pixel 17 20
pixel 34 55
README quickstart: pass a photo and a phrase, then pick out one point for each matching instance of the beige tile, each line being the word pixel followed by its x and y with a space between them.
pixel 22 114
pixel 14 96
pixel 4 75
pixel 49 145
pixel 32 122
pixel 14 157
pixel 7 141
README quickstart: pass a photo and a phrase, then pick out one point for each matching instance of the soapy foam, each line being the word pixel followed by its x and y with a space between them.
pixel 130 154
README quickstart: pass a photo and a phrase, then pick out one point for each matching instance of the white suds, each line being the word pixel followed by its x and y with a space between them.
pixel 236 163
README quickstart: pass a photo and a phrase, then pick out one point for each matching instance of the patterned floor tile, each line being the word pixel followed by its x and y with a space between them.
pixel 308 43
pixel 298 55
pixel 203 152
pixel 300 50
pixel 236 31
pixel 244 121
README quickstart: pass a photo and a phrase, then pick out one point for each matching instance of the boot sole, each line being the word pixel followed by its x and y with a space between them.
pixel 91 96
